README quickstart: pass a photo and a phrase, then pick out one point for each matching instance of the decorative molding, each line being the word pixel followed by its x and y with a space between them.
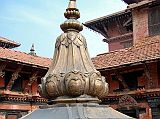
pixel 127 101
pixel 23 99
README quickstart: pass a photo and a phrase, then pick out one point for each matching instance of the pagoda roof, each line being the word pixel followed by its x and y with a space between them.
pixel 4 42
pixel 24 58
pixel 146 50
pixel 143 3
pixel 97 24
pixel 108 17
pixel 130 1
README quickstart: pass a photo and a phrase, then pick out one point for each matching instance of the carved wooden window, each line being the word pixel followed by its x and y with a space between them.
pixel 131 80
pixel 17 86
pixel 154 20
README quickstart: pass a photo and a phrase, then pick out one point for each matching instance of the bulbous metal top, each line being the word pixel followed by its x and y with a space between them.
pixel 72 11
pixel 72 14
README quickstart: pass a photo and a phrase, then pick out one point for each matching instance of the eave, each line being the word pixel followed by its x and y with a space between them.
pixel 130 1
pixel 143 4
pixel 98 24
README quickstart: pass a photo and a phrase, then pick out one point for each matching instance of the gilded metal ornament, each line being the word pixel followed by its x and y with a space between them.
pixel 72 73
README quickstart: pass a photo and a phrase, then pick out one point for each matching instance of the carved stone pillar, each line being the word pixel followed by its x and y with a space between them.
pixel 14 77
pixel 32 79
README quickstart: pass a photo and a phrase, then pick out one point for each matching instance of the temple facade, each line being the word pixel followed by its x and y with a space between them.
pixel 132 65
pixel 20 74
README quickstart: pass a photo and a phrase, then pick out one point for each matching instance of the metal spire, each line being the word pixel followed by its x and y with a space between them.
pixel 32 50
pixel 72 4
pixel 72 14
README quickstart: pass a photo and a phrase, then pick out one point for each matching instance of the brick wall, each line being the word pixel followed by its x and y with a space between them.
pixel 140 24
pixel 113 30
pixel 115 46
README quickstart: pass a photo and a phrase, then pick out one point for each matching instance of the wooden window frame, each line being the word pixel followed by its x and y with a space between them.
pixel 154 24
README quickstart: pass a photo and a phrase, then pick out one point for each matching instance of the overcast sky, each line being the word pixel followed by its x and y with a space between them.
pixel 37 21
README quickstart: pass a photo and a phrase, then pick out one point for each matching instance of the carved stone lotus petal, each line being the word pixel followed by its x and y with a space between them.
pixel 51 88
pixel 74 82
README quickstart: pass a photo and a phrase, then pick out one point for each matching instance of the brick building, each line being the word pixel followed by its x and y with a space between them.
pixel 20 74
pixel 132 67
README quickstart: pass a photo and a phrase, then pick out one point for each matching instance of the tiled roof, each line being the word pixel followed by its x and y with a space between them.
pixel 146 50
pixel 7 41
pixel 9 54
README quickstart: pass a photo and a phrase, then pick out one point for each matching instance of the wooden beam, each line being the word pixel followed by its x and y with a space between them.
pixel 14 77
pixel 148 76
pixel 120 26
pixel 32 79
pixel 105 29
pixel 99 31
pixel 2 67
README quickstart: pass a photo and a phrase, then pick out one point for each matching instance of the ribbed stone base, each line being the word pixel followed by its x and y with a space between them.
pixel 76 111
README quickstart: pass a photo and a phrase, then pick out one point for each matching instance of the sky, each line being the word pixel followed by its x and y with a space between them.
pixel 37 21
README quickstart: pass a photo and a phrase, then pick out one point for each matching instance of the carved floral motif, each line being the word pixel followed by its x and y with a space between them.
pixel 75 83
pixel 127 101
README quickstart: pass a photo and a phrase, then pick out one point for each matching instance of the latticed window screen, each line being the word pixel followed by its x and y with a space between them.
pixel 154 20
